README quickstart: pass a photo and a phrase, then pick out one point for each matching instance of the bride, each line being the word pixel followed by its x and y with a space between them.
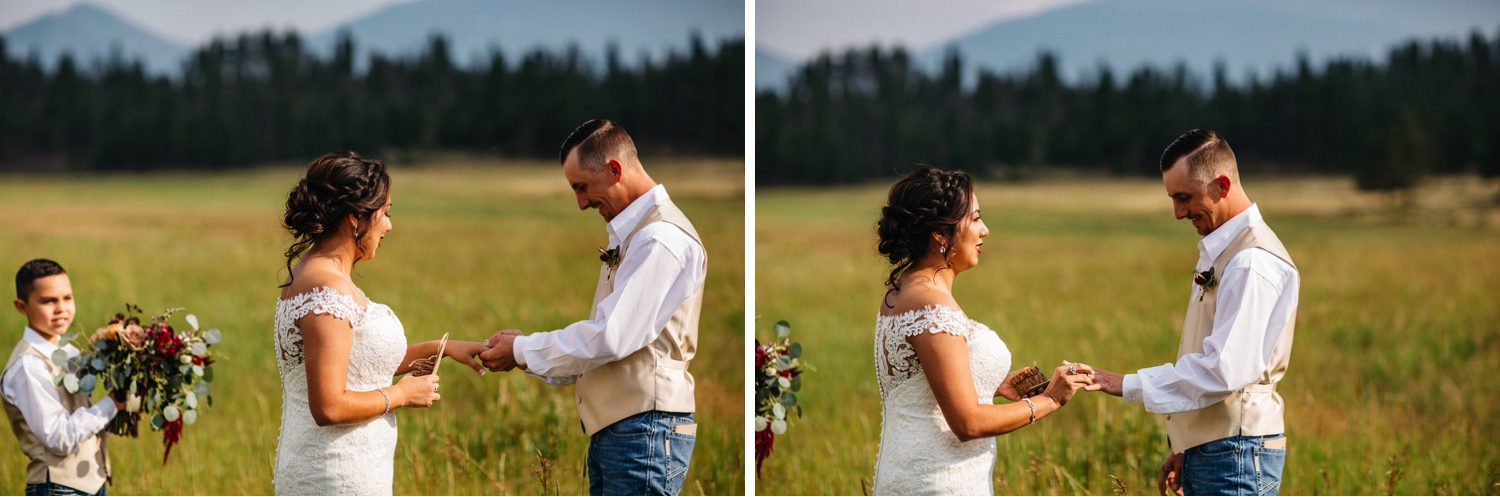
pixel 337 350
pixel 938 369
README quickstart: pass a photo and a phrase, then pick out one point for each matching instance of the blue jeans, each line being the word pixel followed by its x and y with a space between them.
pixel 1237 465
pixel 50 488
pixel 645 454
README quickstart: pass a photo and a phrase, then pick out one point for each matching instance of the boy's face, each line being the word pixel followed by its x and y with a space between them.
pixel 49 309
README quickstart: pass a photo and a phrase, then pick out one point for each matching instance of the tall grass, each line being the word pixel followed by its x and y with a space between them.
pixel 477 247
pixel 1389 389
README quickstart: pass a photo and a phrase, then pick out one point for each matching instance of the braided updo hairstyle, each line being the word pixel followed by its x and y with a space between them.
pixel 337 185
pixel 928 200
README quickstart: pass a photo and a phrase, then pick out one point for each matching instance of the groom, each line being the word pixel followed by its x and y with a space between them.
pixel 630 357
pixel 1224 417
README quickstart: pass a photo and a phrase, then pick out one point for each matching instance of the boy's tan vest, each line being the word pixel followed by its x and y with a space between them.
pixel 87 468
pixel 654 378
pixel 1256 409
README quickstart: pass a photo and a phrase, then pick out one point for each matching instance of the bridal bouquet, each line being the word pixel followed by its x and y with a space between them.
pixel 778 376
pixel 159 372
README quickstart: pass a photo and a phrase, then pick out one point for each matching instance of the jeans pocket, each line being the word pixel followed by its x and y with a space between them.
pixel 638 426
pixel 1269 463
pixel 1223 448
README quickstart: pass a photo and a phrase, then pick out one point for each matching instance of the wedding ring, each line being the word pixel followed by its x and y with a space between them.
pixel 434 387
pixel 1072 369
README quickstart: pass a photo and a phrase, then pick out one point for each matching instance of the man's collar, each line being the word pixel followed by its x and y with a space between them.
pixel 1214 243
pixel 621 226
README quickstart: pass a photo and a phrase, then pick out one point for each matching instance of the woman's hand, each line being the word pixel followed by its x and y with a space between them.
pixel 416 391
pixel 467 353
pixel 1007 390
pixel 1067 380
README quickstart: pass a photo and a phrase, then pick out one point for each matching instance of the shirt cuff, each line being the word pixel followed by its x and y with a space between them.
pixel 105 408
pixel 1130 388
pixel 518 352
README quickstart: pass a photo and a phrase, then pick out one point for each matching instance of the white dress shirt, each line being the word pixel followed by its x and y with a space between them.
pixel 1257 294
pixel 662 267
pixel 30 386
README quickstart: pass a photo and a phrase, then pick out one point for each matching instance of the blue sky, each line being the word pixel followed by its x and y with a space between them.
pixel 191 22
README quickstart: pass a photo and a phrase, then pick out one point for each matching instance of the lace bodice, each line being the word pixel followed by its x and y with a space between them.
pixel 346 459
pixel 919 454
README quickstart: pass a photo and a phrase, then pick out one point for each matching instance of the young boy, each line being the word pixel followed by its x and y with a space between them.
pixel 58 431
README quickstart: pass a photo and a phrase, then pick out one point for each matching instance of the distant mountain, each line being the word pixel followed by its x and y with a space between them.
pixel 473 27
pixel 91 33
pixel 1249 36
pixel 771 70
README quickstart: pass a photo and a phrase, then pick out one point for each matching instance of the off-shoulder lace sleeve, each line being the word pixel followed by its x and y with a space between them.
pixel 321 300
pixel 895 358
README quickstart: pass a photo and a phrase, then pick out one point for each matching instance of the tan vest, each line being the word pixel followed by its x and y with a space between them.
pixel 1256 409
pixel 87 468
pixel 654 378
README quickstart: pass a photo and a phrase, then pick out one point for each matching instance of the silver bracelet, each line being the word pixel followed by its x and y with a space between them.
pixel 1032 406
pixel 388 401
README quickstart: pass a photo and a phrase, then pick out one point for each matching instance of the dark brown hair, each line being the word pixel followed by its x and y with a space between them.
pixel 928 200
pixel 596 140
pixel 1208 155
pixel 33 270
pixel 337 185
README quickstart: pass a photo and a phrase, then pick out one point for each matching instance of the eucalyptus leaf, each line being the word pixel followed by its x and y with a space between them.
pixel 778 427
pixel 70 382
pixel 778 411
pixel 761 424
pixel 97 364
pixel 189 417
pixel 796 350
pixel 208 373
pixel 783 382
pixel 60 358
pixel 198 348
pixel 789 400
pixel 157 422
pixel 783 329
pixel 87 383
pixel 797 383
pixel 192 320
pixel 212 336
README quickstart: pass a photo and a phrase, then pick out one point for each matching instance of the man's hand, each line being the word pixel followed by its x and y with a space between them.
pixel 1170 475
pixel 500 356
pixel 1108 382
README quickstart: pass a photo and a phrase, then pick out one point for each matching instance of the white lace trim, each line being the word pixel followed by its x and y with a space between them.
pixel 895 358
pixel 320 300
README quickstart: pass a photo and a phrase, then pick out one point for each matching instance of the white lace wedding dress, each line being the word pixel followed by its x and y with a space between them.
pixel 351 459
pixel 919 455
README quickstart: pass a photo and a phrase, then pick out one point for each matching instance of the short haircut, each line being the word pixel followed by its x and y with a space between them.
pixel 1208 155
pixel 596 141
pixel 33 270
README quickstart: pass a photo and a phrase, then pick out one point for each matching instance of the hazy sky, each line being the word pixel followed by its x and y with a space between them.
pixel 802 28
pixel 194 21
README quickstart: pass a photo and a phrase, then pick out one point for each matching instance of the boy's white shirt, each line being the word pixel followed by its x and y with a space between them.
pixel 31 387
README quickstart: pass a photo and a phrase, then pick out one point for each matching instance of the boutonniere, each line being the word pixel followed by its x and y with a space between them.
pixel 1205 280
pixel 610 258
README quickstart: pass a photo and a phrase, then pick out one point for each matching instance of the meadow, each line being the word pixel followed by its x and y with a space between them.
pixel 1391 387
pixel 478 245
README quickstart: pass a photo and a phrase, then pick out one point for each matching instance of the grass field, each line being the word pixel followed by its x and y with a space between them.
pixel 1391 387
pixel 477 246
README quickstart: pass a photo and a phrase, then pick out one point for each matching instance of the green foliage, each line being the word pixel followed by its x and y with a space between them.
pixel 1430 106
pixel 476 247
pixel 266 97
